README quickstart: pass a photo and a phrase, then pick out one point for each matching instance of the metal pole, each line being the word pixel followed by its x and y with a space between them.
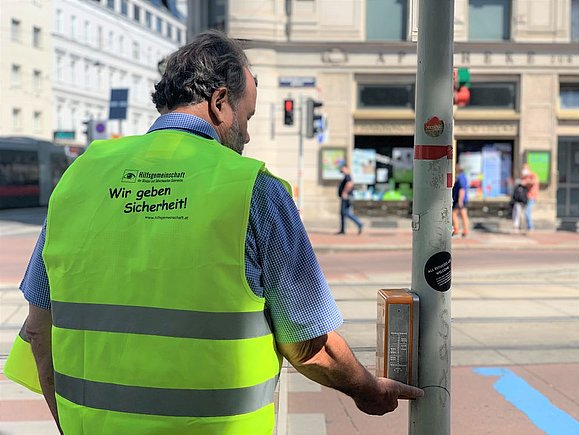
pixel 300 154
pixel 431 215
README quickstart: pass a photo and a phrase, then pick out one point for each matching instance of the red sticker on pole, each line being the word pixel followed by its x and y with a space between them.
pixel 436 152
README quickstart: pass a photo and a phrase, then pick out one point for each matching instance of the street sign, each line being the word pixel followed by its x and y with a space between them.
pixel 99 130
pixel 118 104
pixel 297 82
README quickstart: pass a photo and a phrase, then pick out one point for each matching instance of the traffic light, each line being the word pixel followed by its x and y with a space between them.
pixel 461 86
pixel 313 119
pixel 288 111
pixel 88 130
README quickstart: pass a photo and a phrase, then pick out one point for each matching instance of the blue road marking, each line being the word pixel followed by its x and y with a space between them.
pixel 532 403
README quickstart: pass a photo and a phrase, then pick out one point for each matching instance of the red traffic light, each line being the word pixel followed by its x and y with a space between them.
pixel 288 111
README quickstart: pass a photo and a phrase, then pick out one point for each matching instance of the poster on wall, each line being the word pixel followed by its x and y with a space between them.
pixel 332 160
pixel 540 164
pixel 402 164
pixel 471 163
pixel 364 166
pixel 491 172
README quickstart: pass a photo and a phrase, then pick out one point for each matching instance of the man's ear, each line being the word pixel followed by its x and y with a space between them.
pixel 219 104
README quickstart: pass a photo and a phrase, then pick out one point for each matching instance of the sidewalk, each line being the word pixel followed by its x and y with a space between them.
pixel 325 240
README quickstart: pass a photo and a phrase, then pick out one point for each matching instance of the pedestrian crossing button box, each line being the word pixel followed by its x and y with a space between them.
pixel 397 335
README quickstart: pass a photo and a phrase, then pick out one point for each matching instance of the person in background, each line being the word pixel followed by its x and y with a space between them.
pixel 459 203
pixel 531 181
pixel 345 193
pixel 519 201
pixel 150 314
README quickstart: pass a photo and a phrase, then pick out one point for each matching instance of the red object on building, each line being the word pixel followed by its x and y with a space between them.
pixel 462 96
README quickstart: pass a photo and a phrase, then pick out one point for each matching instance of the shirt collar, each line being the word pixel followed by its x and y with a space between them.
pixel 185 121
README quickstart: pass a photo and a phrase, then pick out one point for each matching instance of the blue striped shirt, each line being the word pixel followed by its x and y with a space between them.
pixel 280 264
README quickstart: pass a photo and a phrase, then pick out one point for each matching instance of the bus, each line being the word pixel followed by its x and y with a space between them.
pixel 29 170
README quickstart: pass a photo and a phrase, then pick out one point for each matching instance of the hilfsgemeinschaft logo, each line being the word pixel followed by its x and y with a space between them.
pixel 130 176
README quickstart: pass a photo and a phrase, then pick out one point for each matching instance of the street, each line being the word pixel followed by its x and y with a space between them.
pixel 515 333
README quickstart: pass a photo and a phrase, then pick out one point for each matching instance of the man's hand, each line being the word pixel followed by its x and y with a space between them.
pixel 329 361
pixel 385 399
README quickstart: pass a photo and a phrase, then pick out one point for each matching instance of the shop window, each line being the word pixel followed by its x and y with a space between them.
pixel 488 165
pixel 386 96
pixel 489 20
pixel 382 167
pixel 569 96
pixel 493 95
pixel 386 20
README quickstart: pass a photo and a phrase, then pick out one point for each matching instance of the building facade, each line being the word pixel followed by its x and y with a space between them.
pixel 25 74
pixel 99 45
pixel 359 59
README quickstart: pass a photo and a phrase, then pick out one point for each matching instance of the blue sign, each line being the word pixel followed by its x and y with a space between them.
pixel 297 82
pixel 118 104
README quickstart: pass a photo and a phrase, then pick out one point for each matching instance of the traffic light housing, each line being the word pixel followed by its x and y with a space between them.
pixel 313 119
pixel 88 130
pixel 461 86
pixel 288 111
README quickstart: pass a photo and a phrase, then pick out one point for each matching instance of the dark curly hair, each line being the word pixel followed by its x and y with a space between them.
pixel 196 70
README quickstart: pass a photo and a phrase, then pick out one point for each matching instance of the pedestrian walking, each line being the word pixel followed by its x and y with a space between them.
pixel 459 203
pixel 345 190
pixel 531 181
pixel 519 201
pixel 173 274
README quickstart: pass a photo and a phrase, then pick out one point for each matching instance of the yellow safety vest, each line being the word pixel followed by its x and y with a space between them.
pixel 155 329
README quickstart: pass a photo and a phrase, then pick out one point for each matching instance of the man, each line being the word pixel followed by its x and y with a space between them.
pixel 180 273
pixel 531 181
pixel 459 203
pixel 344 193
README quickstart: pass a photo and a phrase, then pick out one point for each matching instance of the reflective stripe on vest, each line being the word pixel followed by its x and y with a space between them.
pixel 164 401
pixel 160 321
pixel 155 328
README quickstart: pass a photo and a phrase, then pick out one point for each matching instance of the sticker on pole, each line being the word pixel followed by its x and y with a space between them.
pixel 434 127
pixel 437 271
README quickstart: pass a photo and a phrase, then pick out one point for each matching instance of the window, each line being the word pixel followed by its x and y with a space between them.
pixel 16 118
pixel 73 30
pixel 179 36
pixel 58 21
pixel 569 96
pixel 149 19
pixel 124 7
pixel 16 77
pixel 489 20
pixel 110 40
pixel 136 50
pixel 37 80
pixel 121 44
pixel 493 95
pixel 59 67
pixel 37 120
pixel 87 32
pixel 111 4
pixel 137 13
pixel 575 20
pixel 73 71
pixel 99 37
pixel 36 37
pixel 385 96
pixel 386 20
pixel 159 25
pixel 169 31
pixel 15 29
